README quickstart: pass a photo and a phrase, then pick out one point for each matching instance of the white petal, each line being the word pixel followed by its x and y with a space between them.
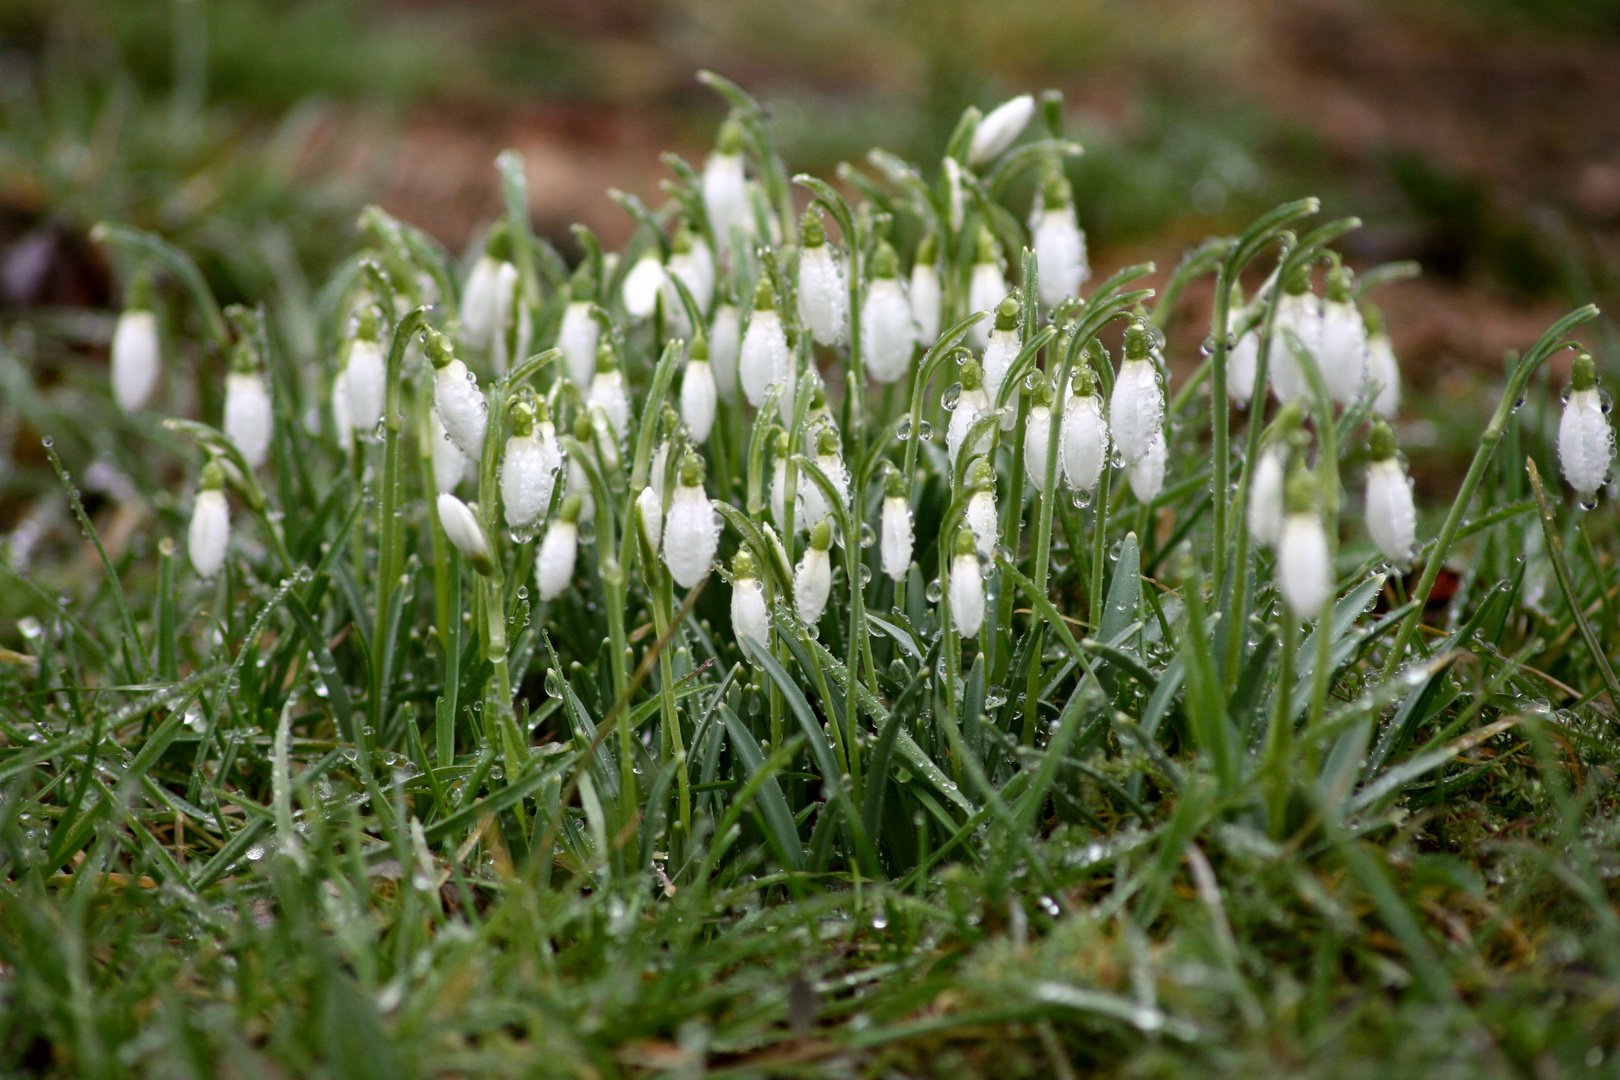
pixel 577 338
pixel 343 418
pixel 1391 517
pixel 1085 443
pixel 554 565
pixel 972 405
pixel 823 296
pixel 691 536
pixel 999 353
pixel 698 399
pixel 1303 315
pixel 725 344
pixel 1303 572
pixel 888 332
pixel 136 359
pixel 997 131
pixel 1585 443
pixel 641 286
pixel 725 197
pixel 366 376
pixel 749 619
pixel 1147 475
pixel 926 300
pixel 981 519
pixel 461 407
pixel 1060 255
pixel 763 360
pixel 1037 435
pixel 480 302
pixel 812 583
pixel 650 508
pixel 449 463
pixel 1266 498
pixel 967 595
pixel 607 390
pixel 1136 409
pixel 527 480
pixel 210 533
pixel 895 544
pixel 248 416
pixel 1384 372
pixel 986 289
pixel 462 527
pixel 1343 355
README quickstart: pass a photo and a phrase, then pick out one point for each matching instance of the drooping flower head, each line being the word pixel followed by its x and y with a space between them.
pixel 725 189
pixel 365 374
pixel 981 507
pixel 528 469
pixel 248 420
pixel 137 355
pixel 888 330
pixel 608 391
pixel 986 287
pixel 456 396
pixel 1136 409
pixel 698 391
pixel 692 528
pixel 554 565
pixel 1084 440
pixel 1342 352
pixel 579 333
pixel 1002 347
pixel 895 527
pixel 1585 440
pixel 1383 369
pixel 1391 516
pixel 1059 242
pixel 765 359
pixel 967 585
pixel 997 130
pixel 750 620
pixel 1299 311
pixel 823 294
pixel 812 578
pixel 1037 433
pixel 209 535
pixel 927 293
pixel 971 404
pixel 462 526
pixel 1304 569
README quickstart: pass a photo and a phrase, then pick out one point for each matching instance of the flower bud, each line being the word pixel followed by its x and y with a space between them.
pixel 1136 410
pixel 698 393
pixel 1084 440
pixel 608 391
pixel 971 404
pixel 725 189
pixel 365 376
pixel 1304 573
pixel 578 335
pixel 895 526
pixel 981 508
pixel 997 131
pixel 1383 370
pixel 528 472
pixel 247 412
pixel 927 293
pixel 967 587
pixel 1266 496
pixel 692 263
pixel 481 298
pixel 1243 358
pixel 650 509
pixel 460 403
pixel 725 345
pixel 449 463
pixel 1343 350
pixel 461 525
pixel 1147 474
pixel 554 564
pixel 137 355
pixel 1391 517
pixel 692 529
pixel 750 621
pixel 779 463
pixel 764 359
pixel 641 285
pixel 823 296
pixel 813 505
pixel 1585 440
pixel 888 331
pixel 1060 245
pixel 1298 310
pixel 1037 435
pixel 1002 349
pixel 812 579
pixel 209 535
pixel 986 287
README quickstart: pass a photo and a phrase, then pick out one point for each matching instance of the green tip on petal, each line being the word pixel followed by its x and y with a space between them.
pixel 765 295
pixel 821 535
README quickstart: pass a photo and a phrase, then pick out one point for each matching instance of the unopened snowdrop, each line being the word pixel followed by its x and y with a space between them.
pixel 692 264
pixel 997 130
pixel 642 283
pixel 488 291
pixel 1383 370
pixel 1585 440
pixel 137 355
pixel 981 508
pixel 812 578
pixel 247 409
pixel 779 470
pixel 578 334
pixel 608 391
pixel 1002 349
pixel 823 294
pixel 579 482
pixel 1266 503
pixel 1391 517
pixel 725 189
pixel 461 525
pixel 650 509
pixel 1060 245
pixel 967 586
pixel 894 544
pixel 888 330
pixel 554 564
pixel 1300 311
pixel 1146 475
pixel 927 293
pixel 750 621
pixel 1038 433
pixel 456 396
pixel 343 417
pixel 1343 348
pixel 725 345
pixel 813 505
pixel 955 196
pixel 1243 357
pixel 365 375
pixel 1136 409
pixel 764 359
pixel 1304 572
pixel 1084 441
pixel 697 392
pixel 986 288
pixel 209 535
pixel 449 463
pixel 971 404
pixel 692 528
pixel 528 470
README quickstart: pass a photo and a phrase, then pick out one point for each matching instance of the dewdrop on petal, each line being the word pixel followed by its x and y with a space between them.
pixel 986 287
pixel 764 358
pixel 1585 440
pixel 528 472
pixel 461 525
pixel 812 578
pixel 1037 433
pixel 1147 474
pixel 365 374
pixel 1383 369
pixel 579 333
pixel 1002 349
pixel 137 355
pixel 698 392
pixel 1136 409
pixel 894 543
pixel 888 330
pixel 981 508
pixel 456 396
pixel 1084 441
pixel 554 564
pixel 692 527
pixel 823 295
pixel 449 464
pixel 608 391
pixel 1266 504
pixel 725 189
pixel 972 404
pixel 750 621
pixel 1391 517
pixel 967 586
pixel 248 416
pixel 1300 311
pixel 1304 575
pixel 1343 352
pixel 926 293
pixel 997 131
pixel 209 534
pixel 725 344
pixel 1059 243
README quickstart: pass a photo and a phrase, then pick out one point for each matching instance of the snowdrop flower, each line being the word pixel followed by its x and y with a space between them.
pixel 997 131
pixel 449 464
pixel 608 391
pixel 986 287
pixel 812 578
pixel 1383 370
pixel 823 295
pixel 1060 245
pixel 642 283
pixel 578 335
pixel 955 197
pixel 697 392
pixel 971 404
pixel 343 418
pixel 247 409
pixel 725 344
pixel 1147 474
pixel 528 471
pixel 1343 350
pixel 765 359
pixel 1266 505
pixel 456 396
pixel 365 375
pixel 1304 573
pixel 1391 518
pixel 1084 441
pixel 981 508
pixel 482 297
pixel 1001 350
pixel 927 293
pixel 1585 440
pixel 1243 357
pixel 650 509
pixel 725 189
pixel 1038 434
pixel 749 619
pixel 1136 410
pixel 779 464
pixel 1298 310
pixel 461 525
pixel 895 526
pixel 692 264
pixel 692 528
pixel 136 352
pixel 813 505
pixel 579 482
pixel 554 565
pixel 967 586
pixel 210 533
pixel 888 330
pixel 817 415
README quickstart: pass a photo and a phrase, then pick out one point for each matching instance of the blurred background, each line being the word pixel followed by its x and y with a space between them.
pixel 1480 137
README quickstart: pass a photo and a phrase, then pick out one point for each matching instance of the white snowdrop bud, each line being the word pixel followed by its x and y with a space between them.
pixel 1266 496
pixel 981 508
pixel 650 508
pixel 764 358
pixel 1383 370
pixel 1060 245
pixel 823 295
pixel 136 353
pixel 986 288
pixel 462 527
pixel 725 345
pixel 692 263
pixel 579 333
pixel 1147 474
pixel 608 391
pixel 528 472
pixel 1243 358
pixel 1585 440
pixel 481 302
pixel 506 301
pixel 1002 349
pixel 812 578
pixel 642 283
pixel 894 545
pixel 955 196
pixel 692 529
pixel 579 482
pixel 365 375
pixel 725 189
pixel 1343 354
pixel 698 393
pixel 210 533
pixel 343 419
pixel 750 621
pixel 779 464
pixel 1298 310
pixel 812 503
pixel 456 396
pixel 1391 517
pixel 967 587
pixel 449 464
pixel 971 404
pixel 1136 409
pixel 554 564
pixel 997 131
pixel 1084 440
pixel 1304 574
pixel 1038 434
pixel 247 412
pixel 927 293
pixel 888 331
